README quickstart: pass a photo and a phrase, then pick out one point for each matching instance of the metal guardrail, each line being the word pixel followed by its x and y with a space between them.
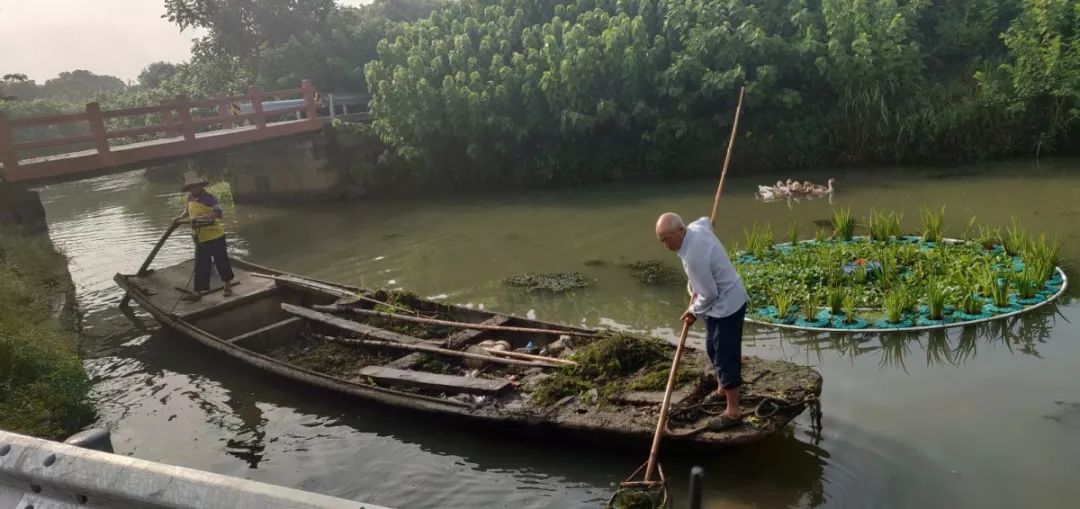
pixel 40 474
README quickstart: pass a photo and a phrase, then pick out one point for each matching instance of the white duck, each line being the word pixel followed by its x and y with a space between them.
pixel 822 190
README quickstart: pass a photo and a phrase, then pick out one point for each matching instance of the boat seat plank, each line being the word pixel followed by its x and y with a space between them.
pixel 445 383
pixel 464 337
pixel 160 288
pixel 364 330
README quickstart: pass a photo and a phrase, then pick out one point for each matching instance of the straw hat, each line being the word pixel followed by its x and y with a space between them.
pixel 192 180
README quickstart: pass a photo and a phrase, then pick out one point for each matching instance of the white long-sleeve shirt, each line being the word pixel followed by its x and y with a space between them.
pixel 718 289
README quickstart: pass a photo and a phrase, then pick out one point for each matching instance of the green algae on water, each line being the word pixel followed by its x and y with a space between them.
pixel 555 282
pixel 653 272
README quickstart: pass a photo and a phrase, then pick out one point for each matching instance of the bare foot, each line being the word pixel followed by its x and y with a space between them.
pixel 227 292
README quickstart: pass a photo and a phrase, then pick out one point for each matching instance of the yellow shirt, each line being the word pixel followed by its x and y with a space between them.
pixel 202 205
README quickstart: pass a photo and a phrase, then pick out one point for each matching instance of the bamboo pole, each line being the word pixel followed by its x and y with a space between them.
pixel 661 423
pixel 463 325
pixel 525 356
pixel 150 258
pixel 436 350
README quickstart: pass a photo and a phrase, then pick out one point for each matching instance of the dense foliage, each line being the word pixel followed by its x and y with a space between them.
pixel 578 90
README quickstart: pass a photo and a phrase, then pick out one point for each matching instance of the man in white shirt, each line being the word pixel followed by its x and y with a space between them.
pixel 718 295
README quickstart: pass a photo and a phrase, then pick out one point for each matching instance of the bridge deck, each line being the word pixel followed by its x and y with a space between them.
pixel 75 163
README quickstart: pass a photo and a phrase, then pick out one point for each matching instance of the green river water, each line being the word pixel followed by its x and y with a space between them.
pixel 978 417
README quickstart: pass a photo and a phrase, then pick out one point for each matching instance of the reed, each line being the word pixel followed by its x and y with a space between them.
pixel 933 224
pixel 997 286
pixel 971 303
pixel 843 224
pixel 821 235
pixel 884 225
pixel 793 233
pixel 758 238
pixel 894 307
pixel 1027 283
pixel 849 308
pixel 783 300
pixel 835 297
pixel 810 305
pixel 1015 239
pixel 935 300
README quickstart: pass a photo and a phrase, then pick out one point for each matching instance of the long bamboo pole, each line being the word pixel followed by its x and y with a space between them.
pixel 654 451
pixel 462 325
pixel 150 258
pixel 437 350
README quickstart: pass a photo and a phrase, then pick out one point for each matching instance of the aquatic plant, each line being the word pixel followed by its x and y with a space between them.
pixel 557 282
pixel 605 364
pixel 821 235
pixel 757 239
pixel 1015 239
pixel 997 286
pixel 835 298
pixel 654 272
pixel 860 274
pixel 988 237
pixel 935 300
pixel 793 233
pixel 894 307
pixel 783 299
pixel 933 224
pixel 884 225
pixel 1044 254
pixel 810 304
pixel 971 303
pixel 843 224
pixel 849 308
pixel 1027 283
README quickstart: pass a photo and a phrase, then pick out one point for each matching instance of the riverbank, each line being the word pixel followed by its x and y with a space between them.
pixel 43 386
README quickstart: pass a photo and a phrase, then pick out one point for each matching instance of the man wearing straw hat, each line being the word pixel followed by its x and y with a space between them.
pixel 204 213
pixel 718 295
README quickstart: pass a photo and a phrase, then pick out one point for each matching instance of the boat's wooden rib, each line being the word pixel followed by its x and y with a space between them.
pixel 354 327
pixel 445 383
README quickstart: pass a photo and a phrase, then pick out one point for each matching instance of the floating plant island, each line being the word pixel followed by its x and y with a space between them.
pixel 886 281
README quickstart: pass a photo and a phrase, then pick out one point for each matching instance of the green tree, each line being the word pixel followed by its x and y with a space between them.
pixel 153 75
pixel 80 85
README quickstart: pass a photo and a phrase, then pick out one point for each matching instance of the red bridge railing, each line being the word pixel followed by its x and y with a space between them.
pixel 175 120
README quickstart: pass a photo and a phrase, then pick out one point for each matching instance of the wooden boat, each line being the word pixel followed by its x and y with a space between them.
pixel 335 337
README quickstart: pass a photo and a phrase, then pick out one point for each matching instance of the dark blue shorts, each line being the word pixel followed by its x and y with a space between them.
pixel 723 345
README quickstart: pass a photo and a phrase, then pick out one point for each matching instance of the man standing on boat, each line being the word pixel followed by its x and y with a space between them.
pixel 718 295
pixel 204 213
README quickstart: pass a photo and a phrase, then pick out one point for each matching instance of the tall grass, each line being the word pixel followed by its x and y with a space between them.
pixel 849 308
pixel 793 233
pixel 758 238
pixel 997 286
pixel 843 224
pixel 810 305
pixel 43 386
pixel 1015 239
pixel 935 300
pixel 884 225
pixel 783 299
pixel 933 224
pixel 894 307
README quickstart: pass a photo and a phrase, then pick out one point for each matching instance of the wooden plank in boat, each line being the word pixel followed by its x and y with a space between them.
pixel 351 326
pixel 288 322
pixel 407 361
pixel 445 383
pixel 464 337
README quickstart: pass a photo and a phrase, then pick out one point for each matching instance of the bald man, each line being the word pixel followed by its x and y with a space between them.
pixel 718 296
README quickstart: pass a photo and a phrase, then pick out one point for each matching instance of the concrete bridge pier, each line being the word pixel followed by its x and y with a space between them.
pixel 20 207
pixel 299 168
